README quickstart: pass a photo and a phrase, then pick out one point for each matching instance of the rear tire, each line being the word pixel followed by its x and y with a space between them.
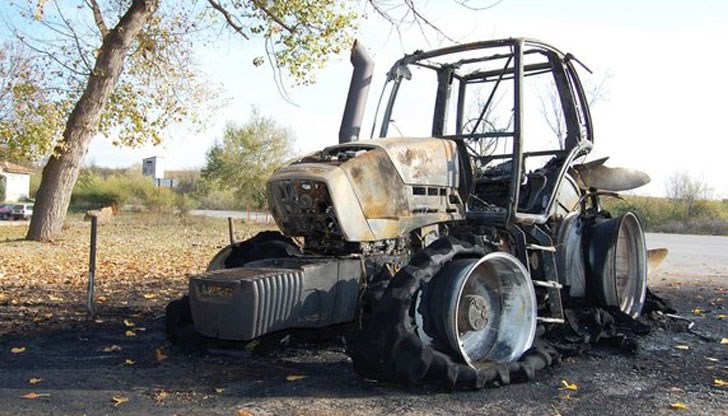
pixel 387 346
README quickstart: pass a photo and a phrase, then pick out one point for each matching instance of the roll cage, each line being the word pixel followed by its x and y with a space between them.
pixel 498 155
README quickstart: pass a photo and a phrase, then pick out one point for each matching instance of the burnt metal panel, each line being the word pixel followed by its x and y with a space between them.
pixel 274 294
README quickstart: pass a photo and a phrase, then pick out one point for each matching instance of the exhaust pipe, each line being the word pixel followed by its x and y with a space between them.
pixel 361 79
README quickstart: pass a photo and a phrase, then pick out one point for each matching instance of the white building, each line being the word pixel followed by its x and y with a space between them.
pixel 14 181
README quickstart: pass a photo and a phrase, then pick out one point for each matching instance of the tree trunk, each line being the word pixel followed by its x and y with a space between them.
pixel 62 169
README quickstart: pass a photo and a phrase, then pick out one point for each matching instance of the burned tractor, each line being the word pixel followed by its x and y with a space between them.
pixel 452 242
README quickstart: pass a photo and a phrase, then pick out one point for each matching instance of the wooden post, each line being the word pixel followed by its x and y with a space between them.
pixel 231 230
pixel 92 270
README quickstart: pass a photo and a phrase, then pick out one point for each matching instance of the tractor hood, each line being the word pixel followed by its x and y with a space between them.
pixel 368 190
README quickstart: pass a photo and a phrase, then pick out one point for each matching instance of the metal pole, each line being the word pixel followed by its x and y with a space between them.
pixel 92 271
pixel 230 230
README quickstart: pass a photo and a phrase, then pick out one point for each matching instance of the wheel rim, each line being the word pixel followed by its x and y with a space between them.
pixel 618 258
pixel 486 310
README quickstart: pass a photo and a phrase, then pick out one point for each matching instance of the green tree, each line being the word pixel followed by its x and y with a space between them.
pixel 685 192
pixel 127 68
pixel 29 115
pixel 247 156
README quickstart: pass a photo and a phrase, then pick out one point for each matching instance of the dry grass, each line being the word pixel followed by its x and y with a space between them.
pixel 142 262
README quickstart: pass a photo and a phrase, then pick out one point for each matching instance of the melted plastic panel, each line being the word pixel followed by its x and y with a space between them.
pixel 377 185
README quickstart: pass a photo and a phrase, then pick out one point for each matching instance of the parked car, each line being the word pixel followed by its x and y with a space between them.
pixel 6 210
pixel 22 211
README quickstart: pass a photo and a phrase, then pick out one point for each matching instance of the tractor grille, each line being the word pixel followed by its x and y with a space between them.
pixel 304 207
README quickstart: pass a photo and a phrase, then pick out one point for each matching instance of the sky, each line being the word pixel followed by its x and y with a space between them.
pixel 664 113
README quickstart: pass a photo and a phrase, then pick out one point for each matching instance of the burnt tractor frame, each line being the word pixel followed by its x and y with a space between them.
pixel 449 254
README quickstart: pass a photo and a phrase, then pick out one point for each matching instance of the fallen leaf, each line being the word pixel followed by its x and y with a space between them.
pixel 721 316
pixel 17 350
pixel 119 400
pixel 101 299
pixel 567 386
pixel 698 311
pixel 149 296
pixel 112 348
pixel 219 390
pixel 130 333
pixel 682 347
pixel 245 412
pixel 159 354
pixel 295 377
pixel 712 360
pixel 55 298
pixel 678 406
pixel 129 362
pixel 724 341
pixel 99 321
pixel 129 323
pixel 720 383
pixel 35 380
pixel 161 395
pixel 34 395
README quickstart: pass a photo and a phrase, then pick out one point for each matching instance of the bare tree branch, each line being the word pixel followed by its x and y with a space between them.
pixel 98 17
pixel 231 20
pixel 422 19
pixel 43 52
pixel 75 37
pixel 464 3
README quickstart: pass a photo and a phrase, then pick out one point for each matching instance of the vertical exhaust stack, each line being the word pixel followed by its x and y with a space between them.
pixel 361 79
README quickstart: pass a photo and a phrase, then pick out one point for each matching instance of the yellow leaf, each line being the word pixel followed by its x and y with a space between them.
pixel 34 395
pixel 130 333
pixel 129 323
pixel 111 348
pixel 679 406
pixel 119 400
pixel 295 377
pixel 149 296
pixel 35 380
pixel 219 390
pixel 17 350
pixel 721 316
pixel 682 347
pixel 698 311
pixel 159 354
pixel 55 298
pixel 720 383
pixel 244 412
pixel 567 386
pixel 129 362
pixel 161 395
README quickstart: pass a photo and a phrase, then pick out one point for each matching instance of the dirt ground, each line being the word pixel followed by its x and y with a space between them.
pixel 120 363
